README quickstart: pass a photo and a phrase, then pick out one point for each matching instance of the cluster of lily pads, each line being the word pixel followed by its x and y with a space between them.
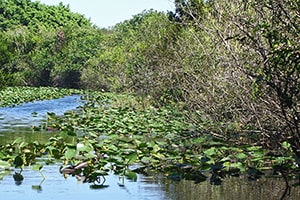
pixel 113 133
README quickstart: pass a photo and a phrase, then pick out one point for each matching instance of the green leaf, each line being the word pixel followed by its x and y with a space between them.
pixel 131 175
pixel 18 162
pixel 286 145
pixel 84 147
pixel 36 187
pixel 132 157
pixel 4 164
pixel 17 141
pixel 37 167
pixel 99 173
pixel 98 186
pixel 23 144
pixel 70 153
pixel 241 156
pixel 210 152
pixel 237 165
pixel 159 156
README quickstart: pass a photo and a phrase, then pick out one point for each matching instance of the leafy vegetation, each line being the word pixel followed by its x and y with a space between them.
pixel 112 132
pixel 227 71
pixel 45 45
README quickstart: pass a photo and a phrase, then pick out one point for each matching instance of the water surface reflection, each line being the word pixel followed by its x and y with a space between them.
pixel 56 186
pixel 232 188
pixel 33 113
pixel 154 187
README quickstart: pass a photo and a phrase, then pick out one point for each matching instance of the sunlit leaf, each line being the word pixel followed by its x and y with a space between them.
pixel 286 145
pixel 210 152
pixel 4 164
pixel 99 173
pixel 132 157
pixel 241 156
pixel 36 187
pixel 37 167
pixel 70 153
pixel 131 175
pixel 17 141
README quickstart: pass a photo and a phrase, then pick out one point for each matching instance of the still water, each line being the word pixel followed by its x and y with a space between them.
pixel 156 187
pixel 33 113
pixel 55 186
pixel 16 122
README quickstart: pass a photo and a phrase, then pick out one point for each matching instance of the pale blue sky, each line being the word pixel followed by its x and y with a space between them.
pixel 105 13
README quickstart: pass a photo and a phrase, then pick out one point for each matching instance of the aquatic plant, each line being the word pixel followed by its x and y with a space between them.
pixel 111 133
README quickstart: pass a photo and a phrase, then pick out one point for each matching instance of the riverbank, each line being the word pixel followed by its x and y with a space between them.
pixel 117 132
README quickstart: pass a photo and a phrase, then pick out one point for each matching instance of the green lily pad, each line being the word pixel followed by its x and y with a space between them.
pixel 131 175
pixel 18 162
pixel 4 164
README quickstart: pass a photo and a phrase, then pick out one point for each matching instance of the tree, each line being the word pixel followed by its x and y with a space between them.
pixel 132 56
pixel 39 54
pixel 239 68
pixel 273 33
pixel 187 11
pixel 35 14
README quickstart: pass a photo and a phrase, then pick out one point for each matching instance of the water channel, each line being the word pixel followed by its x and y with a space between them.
pixel 16 121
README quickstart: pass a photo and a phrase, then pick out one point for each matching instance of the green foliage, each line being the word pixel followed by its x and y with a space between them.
pixel 34 14
pixel 5 50
pixel 73 51
pixel 268 35
pixel 135 57
pixel 188 11
pixel 238 68
pixel 45 45
pixel 233 66
pixel 281 56
pixel 109 135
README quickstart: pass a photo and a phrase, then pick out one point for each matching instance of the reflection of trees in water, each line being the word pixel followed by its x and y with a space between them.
pixel 233 188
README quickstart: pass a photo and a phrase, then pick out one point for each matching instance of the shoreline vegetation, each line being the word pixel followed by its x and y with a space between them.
pixel 213 85
pixel 115 133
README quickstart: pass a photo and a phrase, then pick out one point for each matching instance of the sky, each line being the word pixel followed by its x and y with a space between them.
pixel 107 13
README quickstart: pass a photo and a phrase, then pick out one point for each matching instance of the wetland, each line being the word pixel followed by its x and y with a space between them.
pixel 140 153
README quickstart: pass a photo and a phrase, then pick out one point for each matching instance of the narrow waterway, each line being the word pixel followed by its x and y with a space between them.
pixel 33 113
pixel 16 122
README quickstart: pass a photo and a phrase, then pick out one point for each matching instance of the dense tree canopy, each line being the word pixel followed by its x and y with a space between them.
pixel 45 45
pixel 34 14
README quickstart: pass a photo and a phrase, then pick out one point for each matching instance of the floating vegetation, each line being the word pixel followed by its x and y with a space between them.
pixel 106 136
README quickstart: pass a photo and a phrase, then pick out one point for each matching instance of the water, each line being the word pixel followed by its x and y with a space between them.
pixel 14 122
pixel 156 187
pixel 55 186
pixel 31 114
